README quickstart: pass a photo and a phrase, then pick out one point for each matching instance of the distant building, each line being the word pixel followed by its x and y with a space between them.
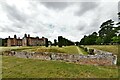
pixel 27 41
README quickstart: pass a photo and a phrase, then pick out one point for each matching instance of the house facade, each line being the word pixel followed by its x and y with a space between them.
pixel 27 41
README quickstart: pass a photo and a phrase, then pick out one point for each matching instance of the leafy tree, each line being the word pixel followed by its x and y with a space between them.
pixel 46 42
pixel 60 41
pixel 107 31
pixel 99 40
pixel 77 43
pixel 89 40
pixel 82 41
pixel 55 42
pixel 93 38
pixel 64 42
pixel 116 39
pixel 105 28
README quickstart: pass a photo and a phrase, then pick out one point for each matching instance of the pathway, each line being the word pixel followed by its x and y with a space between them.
pixel 79 51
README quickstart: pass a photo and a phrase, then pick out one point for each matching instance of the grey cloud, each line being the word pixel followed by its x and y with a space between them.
pixel 86 32
pixel 86 6
pixel 63 29
pixel 18 25
pixel 13 13
pixel 81 26
pixel 56 5
pixel 7 29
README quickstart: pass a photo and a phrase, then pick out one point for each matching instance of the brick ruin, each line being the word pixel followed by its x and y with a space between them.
pixel 100 58
pixel 26 41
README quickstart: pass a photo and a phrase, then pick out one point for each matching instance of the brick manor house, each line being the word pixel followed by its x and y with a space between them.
pixel 26 41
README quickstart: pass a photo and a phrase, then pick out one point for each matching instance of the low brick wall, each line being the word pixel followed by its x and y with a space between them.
pixel 100 58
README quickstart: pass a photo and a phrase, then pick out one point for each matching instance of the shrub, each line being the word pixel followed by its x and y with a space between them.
pixel 85 49
pixel 91 51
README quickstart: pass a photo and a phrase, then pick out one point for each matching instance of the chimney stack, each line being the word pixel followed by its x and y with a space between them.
pixel 15 36
pixel 8 36
pixel 25 35
pixel 28 35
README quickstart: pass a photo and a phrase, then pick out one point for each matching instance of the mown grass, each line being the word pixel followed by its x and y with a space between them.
pixel 13 67
pixel 83 51
pixel 66 49
pixel 109 48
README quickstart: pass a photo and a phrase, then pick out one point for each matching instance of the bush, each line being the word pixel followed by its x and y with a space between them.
pixel 91 51
pixel 85 49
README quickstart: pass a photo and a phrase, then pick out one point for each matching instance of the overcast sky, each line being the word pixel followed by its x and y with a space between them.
pixel 72 20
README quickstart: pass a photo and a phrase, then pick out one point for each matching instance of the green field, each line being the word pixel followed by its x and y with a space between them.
pixel 32 68
pixel 13 67
pixel 67 49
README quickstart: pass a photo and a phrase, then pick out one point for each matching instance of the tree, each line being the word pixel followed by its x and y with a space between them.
pixel 55 42
pixel 116 39
pixel 77 43
pixel 105 28
pixel 46 42
pixel 60 41
pixel 99 40
pixel 89 40
pixel 93 38
pixel 64 42
pixel 107 31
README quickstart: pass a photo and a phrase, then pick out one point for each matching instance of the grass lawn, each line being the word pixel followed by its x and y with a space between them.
pixel 13 67
pixel 66 49
pixel 33 68
pixel 109 48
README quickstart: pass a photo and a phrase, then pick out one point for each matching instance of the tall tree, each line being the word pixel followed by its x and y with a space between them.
pixel 107 31
pixel 55 42
pixel 60 41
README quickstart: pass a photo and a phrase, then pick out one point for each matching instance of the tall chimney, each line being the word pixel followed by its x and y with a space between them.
pixel 28 35
pixel 8 36
pixel 15 36
pixel 25 35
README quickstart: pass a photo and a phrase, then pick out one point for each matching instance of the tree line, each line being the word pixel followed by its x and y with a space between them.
pixel 61 42
pixel 108 34
pixel 64 42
